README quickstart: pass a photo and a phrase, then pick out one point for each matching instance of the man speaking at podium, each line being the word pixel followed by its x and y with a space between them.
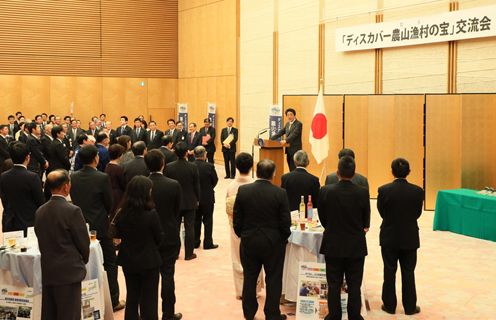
pixel 292 129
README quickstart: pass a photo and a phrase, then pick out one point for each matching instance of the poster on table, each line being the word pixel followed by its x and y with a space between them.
pixel 16 303
pixel 313 290
pixel 91 304
pixel 182 114
pixel 212 108
pixel 275 120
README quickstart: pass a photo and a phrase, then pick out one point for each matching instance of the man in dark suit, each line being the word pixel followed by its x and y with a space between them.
pixel 262 220
pixel 300 182
pixel 13 126
pixel 74 132
pixel 292 129
pixel 193 140
pixel 187 175
pixel 172 131
pixel 136 166
pixel 344 210
pixel 112 134
pixel 166 149
pixel 4 145
pixel 400 205
pixel 207 134
pixel 166 194
pixel 229 149
pixel 92 130
pixel 138 133
pixel 102 144
pixel 205 212
pixel 20 191
pixel 153 136
pixel 180 133
pixel 124 129
pixel 61 232
pixel 92 192
pixel 58 154
pixel 357 179
pixel 38 163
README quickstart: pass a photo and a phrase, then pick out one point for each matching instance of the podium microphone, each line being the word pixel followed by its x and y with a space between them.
pixel 253 147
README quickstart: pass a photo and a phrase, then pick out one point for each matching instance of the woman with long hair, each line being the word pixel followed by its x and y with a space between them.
pixel 138 227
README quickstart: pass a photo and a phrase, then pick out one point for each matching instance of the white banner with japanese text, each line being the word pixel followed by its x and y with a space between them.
pixel 450 26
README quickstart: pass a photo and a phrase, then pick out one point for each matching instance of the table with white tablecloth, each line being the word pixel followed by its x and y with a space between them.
pixel 23 269
pixel 303 246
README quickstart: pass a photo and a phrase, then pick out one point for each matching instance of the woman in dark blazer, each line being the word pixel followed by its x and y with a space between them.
pixel 116 175
pixel 138 226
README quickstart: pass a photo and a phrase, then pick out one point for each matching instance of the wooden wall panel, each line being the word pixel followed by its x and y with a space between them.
pixel 88 100
pixel 304 106
pixel 381 128
pixel 35 94
pixel 10 95
pixel 443 147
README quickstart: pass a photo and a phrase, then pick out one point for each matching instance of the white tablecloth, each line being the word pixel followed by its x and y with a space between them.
pixel 303 246
pixel 23 269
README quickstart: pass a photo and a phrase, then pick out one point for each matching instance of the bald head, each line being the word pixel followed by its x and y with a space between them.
pixel 59 182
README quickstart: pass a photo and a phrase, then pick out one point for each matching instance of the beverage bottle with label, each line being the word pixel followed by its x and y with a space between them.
pixel 309 208
pixel 302 208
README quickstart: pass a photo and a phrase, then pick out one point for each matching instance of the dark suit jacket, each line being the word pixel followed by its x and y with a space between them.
pixel 103 156
pixel 224 135
pixel 357 179
pixel 210 146
pixel 112 136
pixel 13 131
pixel 169 155
pixel 21 195
pixel 73 137
pixel 138 137
pixel 58 156
pixel 179 136
pixel 166 194
pixel 141 234
pixel 93 133
pixel 127 131
pixel 208 181
pixel 196 140
pixel 188 177
pixel 157 139
pixel 293 136
pixel 135 167
pixel 46 142
pixel 38 160
pixel 92 192
pixel 4 150
pixel 64 242
pixel 262 206
pixel 400 205
pixel 300 182
pixel 344 211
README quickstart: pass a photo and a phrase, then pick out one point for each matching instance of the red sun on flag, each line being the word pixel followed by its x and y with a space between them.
pixel 319 126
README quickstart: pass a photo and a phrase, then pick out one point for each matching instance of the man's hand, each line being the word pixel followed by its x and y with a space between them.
pixel 227 146
pixel 366 230
pixel 283 143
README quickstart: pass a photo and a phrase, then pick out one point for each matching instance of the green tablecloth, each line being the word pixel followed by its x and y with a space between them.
pixel 466 212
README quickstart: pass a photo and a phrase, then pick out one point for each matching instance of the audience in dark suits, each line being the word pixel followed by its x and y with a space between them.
pixel 207 134
pixel 124 129
pixel 74 133
pixel 153 136
pixel 65 247
pixel 140 232
pixel 180 133
pixel 92 129
pixel 13 126
pixel 400 205
pixel 205 211
pixel 292 131
pixel 172 131
pixel 166 193
pixel 166 149
pixel 20 190
pixel 262 221
pixel 136 166
pixel 58 154
pixel 344 210
pixel 193 140
pixel 112 134
pixel 4 146
pixel 357 179
pixel 138 133
pixel 116 175
pixel 187 175
pixel 38 163
pixel 300 182
pixel 92 192
pixel 229 149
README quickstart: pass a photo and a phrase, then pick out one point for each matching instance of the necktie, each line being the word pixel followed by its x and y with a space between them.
pixel 152 135
pixel 228 130
pixel 138 131
pixel 289 128
pixel 192 136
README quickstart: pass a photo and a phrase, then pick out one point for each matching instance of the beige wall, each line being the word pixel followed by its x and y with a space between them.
pixel 91 96
pixel 208 60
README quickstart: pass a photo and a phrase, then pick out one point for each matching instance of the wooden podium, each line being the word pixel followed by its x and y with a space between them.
pixel 270 149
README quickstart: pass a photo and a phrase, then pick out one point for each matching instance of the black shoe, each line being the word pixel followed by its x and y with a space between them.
pixel 177 316
pixel 232 177
pixel 387 310
pixel 214 246
pixel 417 310
pixel 227 177
pixel 121 305
pixel 191 257
pixel 284 317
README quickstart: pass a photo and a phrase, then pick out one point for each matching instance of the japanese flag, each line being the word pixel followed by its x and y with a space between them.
pixel 318 133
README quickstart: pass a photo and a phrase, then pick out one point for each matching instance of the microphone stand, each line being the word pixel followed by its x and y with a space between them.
pixel 253 148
